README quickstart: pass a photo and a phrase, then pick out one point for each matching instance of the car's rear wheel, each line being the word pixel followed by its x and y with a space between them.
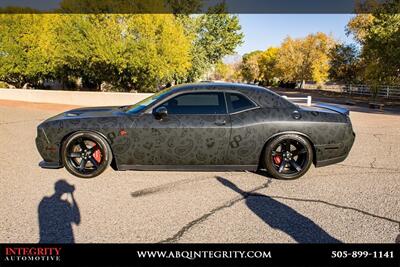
pixel 288 156
pixel 86 154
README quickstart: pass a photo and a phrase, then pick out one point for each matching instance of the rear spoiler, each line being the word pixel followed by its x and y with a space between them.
pixel 341 110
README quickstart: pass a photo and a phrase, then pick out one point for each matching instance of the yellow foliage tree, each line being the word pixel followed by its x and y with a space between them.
pixel 267 64
pixel 305 58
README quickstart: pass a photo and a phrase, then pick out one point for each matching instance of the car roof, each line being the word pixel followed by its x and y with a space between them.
pixel 218 86
pixel 261 95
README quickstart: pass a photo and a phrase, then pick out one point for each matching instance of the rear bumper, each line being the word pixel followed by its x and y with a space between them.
pixel 334 153
pixel 50 165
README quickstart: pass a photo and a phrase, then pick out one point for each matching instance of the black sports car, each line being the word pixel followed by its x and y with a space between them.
pixel 205 126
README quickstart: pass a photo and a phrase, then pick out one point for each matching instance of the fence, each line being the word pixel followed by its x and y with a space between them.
pixel 389 92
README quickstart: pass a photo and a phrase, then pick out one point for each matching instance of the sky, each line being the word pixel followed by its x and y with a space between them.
pixel 264 30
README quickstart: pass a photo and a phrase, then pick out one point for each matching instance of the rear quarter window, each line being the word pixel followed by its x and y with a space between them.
pixel 238 102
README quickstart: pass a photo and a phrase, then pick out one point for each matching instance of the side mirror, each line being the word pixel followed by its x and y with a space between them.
pixel 160 113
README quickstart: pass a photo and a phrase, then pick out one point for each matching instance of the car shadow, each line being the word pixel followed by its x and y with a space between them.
pixel 56 215
pixel 264 173
pixel 282 217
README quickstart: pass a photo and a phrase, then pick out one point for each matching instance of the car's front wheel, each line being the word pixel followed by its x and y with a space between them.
pixel 288 156
pixel 86 154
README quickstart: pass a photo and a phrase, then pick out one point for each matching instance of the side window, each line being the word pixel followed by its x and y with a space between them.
pixel 197 103
pixel 238 102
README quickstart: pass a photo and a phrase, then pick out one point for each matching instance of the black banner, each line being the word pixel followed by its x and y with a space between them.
pixel 192 6
pixel 200 255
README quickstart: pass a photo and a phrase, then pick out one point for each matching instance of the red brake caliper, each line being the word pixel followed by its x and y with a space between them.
pixel 97 154
pixel 277 159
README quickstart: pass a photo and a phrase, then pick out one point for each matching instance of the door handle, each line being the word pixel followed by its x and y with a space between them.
pixel 220 122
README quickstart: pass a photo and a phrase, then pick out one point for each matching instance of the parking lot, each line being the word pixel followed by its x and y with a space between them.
pixel 355 201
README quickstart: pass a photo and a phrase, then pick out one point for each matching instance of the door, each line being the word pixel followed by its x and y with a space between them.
pixel 244 144
pixel 195 131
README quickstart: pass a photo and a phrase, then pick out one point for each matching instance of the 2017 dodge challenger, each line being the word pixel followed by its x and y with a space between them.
pixel 205 126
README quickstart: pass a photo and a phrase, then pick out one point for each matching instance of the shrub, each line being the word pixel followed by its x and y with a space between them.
pixel 3 85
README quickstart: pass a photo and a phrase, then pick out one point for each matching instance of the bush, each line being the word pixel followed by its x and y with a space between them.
pixel 3 85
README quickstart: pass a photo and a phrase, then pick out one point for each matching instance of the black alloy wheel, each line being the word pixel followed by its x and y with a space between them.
pixel 86 154
pixel 288 156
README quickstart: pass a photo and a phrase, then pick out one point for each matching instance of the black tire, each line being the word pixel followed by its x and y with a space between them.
pixel 86 154
pixel 288 166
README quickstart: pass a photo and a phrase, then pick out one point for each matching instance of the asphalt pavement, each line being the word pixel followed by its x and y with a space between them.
pixel 356 201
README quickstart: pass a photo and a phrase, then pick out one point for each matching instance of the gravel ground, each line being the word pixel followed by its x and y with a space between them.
pixel 356 201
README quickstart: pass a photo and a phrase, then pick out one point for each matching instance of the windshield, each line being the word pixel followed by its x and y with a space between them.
pixel 138 107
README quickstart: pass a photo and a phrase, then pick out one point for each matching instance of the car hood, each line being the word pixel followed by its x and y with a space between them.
pixel 89 112
pixel 93 111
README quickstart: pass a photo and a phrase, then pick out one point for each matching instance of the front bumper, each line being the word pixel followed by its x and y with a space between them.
pixel 48 151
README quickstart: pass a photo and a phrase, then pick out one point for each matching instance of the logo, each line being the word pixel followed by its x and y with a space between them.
pixel 31 254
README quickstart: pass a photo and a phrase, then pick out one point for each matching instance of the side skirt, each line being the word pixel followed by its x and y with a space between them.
pixel 188 167
pixel 50 165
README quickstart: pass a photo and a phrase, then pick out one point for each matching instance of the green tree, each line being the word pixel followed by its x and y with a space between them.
pixel 379 36
pixel 26 51
pixel 216 35
pixel 128 51
pixel 344 63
